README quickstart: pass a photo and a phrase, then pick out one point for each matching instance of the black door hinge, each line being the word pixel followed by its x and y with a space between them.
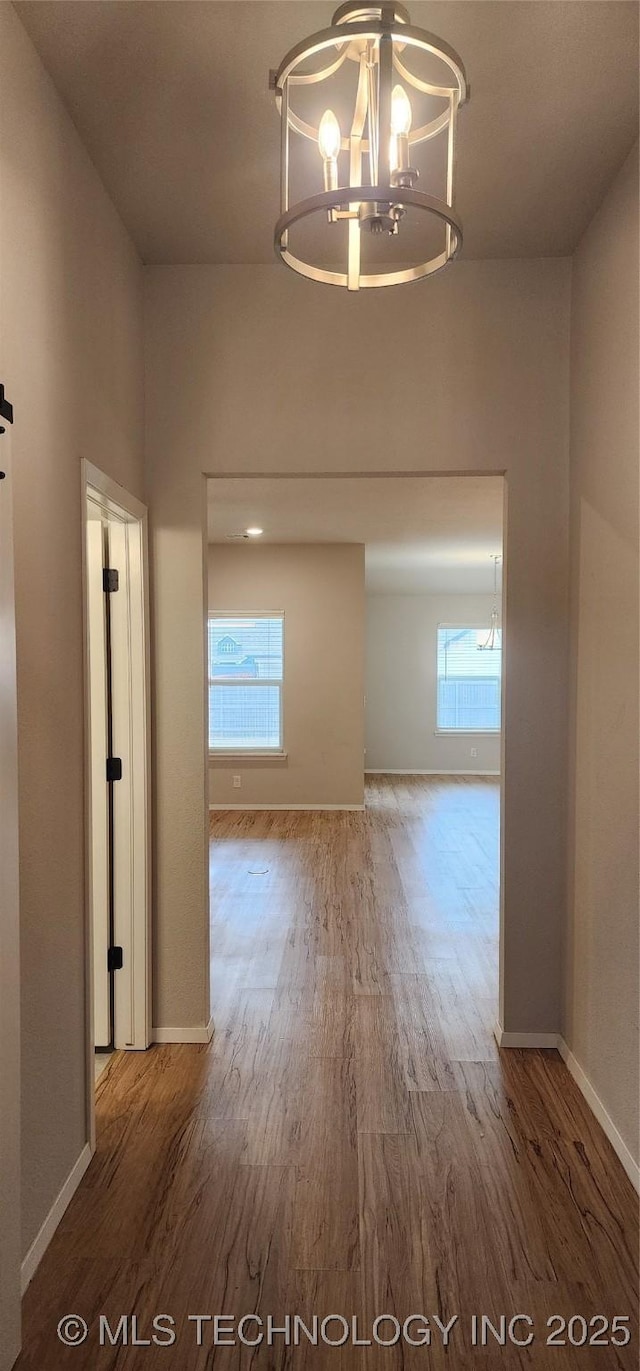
pixel 110 580
pixel 114 769
pixel 6 409
pixel 115 959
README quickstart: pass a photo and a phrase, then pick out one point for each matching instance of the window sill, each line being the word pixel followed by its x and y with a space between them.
pixel 245 755
pixel 467 732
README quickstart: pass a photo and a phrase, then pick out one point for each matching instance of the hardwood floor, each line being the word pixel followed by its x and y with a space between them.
pixel 352 1142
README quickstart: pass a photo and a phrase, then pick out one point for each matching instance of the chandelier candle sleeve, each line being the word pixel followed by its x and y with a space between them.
pixel 396 90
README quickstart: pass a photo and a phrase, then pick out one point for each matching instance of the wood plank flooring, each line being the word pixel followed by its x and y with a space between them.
pixel 351 1143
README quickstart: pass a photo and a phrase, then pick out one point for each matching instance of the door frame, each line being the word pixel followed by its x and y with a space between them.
pixel 10 1228
pixel 134 840
pixel 212 477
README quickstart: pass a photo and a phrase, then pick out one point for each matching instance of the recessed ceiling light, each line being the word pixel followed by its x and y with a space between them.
pixel 253 532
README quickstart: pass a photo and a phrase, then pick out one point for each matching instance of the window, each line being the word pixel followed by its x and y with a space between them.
pixel 468 680
pixel 245 682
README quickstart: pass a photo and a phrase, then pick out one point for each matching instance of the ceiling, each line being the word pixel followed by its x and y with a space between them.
pixel 422 534
pixel 172 102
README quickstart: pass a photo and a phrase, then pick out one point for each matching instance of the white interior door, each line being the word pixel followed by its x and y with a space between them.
pixel 119 840
pixel 10 1242
pixel 98 790
pixel 122 745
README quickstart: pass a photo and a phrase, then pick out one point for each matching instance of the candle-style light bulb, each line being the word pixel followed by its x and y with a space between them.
pixel 400 111
pixel 400 125
pixel 329 136
pixel 329 140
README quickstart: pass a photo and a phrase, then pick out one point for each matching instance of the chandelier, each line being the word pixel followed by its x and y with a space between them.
pixel 348 124
pixel 493 640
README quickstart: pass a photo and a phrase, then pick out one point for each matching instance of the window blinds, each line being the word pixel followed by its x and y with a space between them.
pixel 245 682
pixel 469 680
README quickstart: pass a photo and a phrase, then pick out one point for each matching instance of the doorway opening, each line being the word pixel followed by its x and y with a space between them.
pixel 117 771
pixel 10 1233
pixel 355 669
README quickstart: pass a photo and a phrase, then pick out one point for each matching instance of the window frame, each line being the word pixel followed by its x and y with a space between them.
pixel 264 752
pixel 478 626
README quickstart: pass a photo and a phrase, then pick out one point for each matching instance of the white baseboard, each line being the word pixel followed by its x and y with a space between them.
pixel 197 1034
pixel 604 1118
pixel 267 808
pixel 43 1238
pixel 539 1040
pixel 584 1086
pixel 403 771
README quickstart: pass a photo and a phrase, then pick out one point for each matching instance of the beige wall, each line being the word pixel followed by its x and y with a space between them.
pixel 320 588
pixel 602 954
pixel 71 359
pixel 401 685
pixel 250 369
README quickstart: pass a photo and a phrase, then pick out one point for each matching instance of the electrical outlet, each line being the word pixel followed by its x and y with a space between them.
pixel 236 782
pixel 474 752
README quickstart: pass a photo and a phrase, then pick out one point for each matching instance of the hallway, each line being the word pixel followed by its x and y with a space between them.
pixel 351 1142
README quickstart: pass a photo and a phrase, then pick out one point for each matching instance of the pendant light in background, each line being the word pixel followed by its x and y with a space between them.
pixel 493 641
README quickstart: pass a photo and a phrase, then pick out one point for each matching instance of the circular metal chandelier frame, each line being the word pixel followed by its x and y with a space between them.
pixel 329 199
pixel 367 28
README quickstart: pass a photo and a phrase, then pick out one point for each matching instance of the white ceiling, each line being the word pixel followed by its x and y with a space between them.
pixel 172 102
pixel 422 534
